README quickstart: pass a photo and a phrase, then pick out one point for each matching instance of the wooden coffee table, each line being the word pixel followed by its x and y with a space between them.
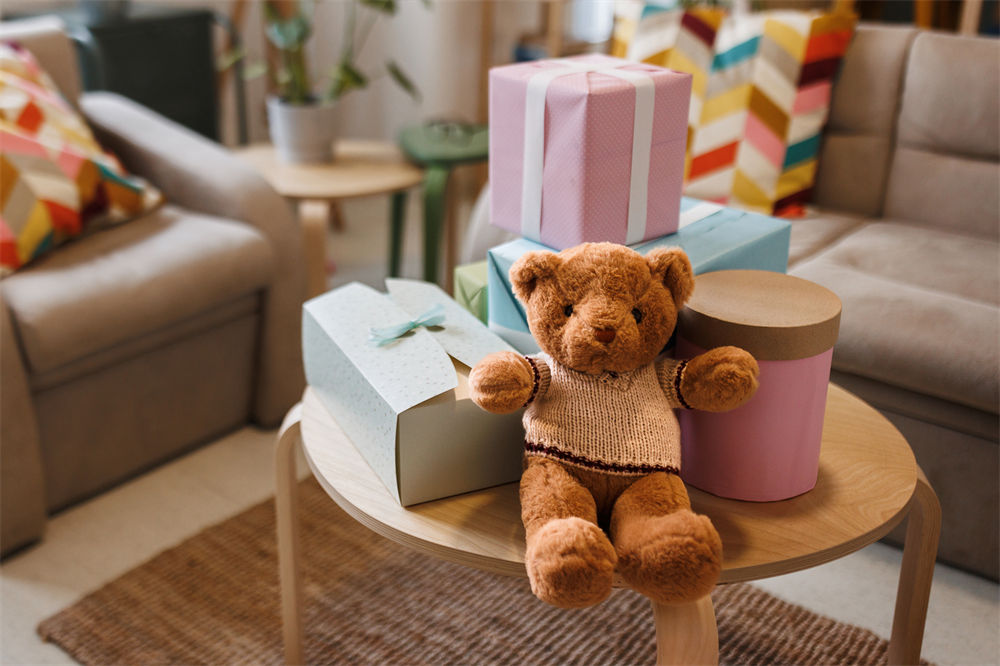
pixel 868 482
pixel 361 168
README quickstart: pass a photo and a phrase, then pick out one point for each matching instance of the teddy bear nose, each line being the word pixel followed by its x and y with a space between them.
pixel 604 335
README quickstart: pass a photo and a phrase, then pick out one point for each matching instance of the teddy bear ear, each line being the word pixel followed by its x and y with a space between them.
pixel 672 267
pixel 529 269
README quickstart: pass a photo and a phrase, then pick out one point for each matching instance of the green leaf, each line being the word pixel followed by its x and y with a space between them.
pixel 345 77
pixel 289 34
pixel 230 58
pixel 426 3
pixel 384 6
pixel 402 79
pixel 254 70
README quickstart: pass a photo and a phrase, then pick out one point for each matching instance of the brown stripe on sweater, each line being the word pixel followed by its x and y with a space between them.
pixel 536 380
pixel 582 461
pixel 677 384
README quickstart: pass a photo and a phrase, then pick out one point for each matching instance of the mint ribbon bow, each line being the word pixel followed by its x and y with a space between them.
pixel 383 336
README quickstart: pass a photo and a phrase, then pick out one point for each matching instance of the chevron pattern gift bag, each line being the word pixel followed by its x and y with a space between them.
pixel 787 102
pixel 758 107
pixel 672 37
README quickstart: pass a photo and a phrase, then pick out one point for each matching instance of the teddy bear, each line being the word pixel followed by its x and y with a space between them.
pixel 601 490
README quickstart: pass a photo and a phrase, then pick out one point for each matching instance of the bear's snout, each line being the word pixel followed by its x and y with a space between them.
pixel 605 335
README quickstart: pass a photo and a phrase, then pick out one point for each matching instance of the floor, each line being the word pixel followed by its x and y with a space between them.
pixel 99 540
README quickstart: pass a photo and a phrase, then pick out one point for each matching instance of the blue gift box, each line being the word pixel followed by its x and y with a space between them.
pixel 715 238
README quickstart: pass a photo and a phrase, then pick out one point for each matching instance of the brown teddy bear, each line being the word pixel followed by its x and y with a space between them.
pixel 602 444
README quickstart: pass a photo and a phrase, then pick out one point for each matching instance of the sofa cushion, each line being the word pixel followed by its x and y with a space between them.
pixel 128 281
pixel 853 172
pixel 946 191
pixel 817 230
pixel 920 310
pixel 856 149
pixel 46 37
pixel 946 170
pixel 950 96
pixel 954 264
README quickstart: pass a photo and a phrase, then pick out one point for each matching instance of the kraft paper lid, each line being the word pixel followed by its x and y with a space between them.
pixel 773 316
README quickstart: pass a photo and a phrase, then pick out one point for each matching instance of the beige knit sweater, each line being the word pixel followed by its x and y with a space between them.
pixel 617 423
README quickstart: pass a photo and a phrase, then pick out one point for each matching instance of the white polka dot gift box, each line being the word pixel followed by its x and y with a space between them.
pixel 393 370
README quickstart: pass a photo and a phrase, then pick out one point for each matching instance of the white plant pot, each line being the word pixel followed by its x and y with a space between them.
pixel 302 133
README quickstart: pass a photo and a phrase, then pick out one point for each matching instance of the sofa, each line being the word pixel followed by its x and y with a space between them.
pixel 905 230
pixel 133 344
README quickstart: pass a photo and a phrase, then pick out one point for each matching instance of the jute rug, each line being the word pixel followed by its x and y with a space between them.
pixel 214 599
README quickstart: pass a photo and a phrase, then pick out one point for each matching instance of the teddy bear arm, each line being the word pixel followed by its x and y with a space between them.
pixel 718 380
pixel 505 381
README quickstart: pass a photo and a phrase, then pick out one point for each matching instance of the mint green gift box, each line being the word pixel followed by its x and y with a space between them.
pixel 715 238
pixel 470 288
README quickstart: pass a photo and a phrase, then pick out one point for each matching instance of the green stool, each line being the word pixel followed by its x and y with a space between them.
pixel 437 147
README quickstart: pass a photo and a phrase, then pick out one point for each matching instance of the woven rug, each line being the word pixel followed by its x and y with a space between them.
pixel 214 599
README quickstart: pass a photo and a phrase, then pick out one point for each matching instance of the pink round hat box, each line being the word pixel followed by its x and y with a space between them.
pixel 767 449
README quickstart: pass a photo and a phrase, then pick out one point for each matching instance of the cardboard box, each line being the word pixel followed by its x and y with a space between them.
pixel 715 238
pixel 470 288
pixel 587 149
pixel 406 405
pixel 768 448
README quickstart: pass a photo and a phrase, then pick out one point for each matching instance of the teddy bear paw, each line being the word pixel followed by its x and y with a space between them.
pixel 570 563
pixel 674 558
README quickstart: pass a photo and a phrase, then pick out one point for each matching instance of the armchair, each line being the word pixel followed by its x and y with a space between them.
pixel 133 344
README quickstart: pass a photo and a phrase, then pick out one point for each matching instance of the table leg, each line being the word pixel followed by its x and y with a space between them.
pixel 335 216
pixel 313 218
pixel 923 528
pixel 686 633
pixel 435 185
pixel 397 219
pixel 287 505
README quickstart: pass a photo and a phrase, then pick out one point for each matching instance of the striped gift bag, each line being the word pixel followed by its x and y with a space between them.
pixel 671 37
pixel 760 97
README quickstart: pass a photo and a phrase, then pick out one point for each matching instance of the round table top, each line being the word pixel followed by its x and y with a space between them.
pixel 360 168
pixel 866 478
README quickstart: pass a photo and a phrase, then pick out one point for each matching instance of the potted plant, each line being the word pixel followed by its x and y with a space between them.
pixel 302 116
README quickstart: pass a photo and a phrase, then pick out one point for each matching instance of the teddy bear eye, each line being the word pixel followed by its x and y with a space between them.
pixel 637 313
pixel 568 310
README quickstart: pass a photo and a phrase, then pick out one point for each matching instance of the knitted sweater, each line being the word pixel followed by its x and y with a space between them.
pixel 616 423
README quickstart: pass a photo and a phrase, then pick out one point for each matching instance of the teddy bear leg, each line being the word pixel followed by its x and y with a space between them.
pixel 569 559
pixel 665 551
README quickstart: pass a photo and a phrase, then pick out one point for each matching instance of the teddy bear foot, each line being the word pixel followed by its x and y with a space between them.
pixel 672 558
pixel 570 563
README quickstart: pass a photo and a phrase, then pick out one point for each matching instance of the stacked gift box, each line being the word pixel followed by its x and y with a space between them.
pixel 592 149
pixel 583 149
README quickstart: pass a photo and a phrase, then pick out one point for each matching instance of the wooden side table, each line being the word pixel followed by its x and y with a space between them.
pixel 361 168
pixel 868 482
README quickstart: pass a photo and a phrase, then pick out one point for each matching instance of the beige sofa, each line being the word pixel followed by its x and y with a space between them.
pixel 906 231
pixel 131 345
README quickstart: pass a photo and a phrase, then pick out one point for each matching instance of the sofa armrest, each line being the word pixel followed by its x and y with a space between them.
pixel 201 175
pixel 22 477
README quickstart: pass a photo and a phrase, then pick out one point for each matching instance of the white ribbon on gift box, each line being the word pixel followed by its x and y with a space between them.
pixel 534 143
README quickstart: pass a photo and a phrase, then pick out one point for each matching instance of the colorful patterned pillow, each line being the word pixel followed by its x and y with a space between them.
pixel 754 139
pixel 55 181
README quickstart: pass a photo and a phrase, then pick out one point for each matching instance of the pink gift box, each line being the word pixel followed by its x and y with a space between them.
pixel 598 127
pixel 767 449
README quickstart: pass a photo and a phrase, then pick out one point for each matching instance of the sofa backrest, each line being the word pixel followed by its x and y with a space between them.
pixel 857 147
pixel 946 166
pixel 45 37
